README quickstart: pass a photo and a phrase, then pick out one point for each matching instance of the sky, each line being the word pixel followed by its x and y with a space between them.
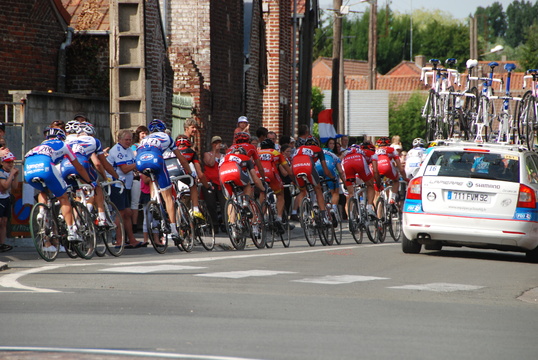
pixel 459 9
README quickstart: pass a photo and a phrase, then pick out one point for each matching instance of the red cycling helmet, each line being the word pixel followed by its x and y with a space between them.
pixel 383 141
pixel 241 137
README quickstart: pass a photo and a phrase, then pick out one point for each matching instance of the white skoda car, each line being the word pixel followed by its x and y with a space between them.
pixel 474 195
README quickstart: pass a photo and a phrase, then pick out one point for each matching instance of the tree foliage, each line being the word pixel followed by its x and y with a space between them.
pixel 530 49
pixel 405 120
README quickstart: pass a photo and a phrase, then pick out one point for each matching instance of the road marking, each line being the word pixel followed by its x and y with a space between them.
pixel 244 274
pixel 148 269
pixel 12 280
pixel 339 279
pixel 438 287
pixel 142 354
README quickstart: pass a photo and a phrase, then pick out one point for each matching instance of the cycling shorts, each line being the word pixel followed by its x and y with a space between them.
pixel 41 166
pixel 304 164
pixel 356 164
pixel 152 158
pixel 231 171
pixel 67 169
pixel 273 179
pixel 387 168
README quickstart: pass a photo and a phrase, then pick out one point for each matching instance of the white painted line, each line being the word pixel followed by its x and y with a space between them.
pixel 146 354
pixel 244 274
pixel 12 280
pixel 339 279
pixel 438 287
pixel 148 269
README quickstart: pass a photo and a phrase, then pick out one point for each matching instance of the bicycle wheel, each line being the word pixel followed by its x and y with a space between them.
pixel 286 236
pixel 154 223
pixel 450 115
pixel 327 233
pixel 203 229
pixel 115 233
pixel 526 119
pixel 308 221
pixel 44 232
pixel 428 113
pixel 257 226
pixel 381 230
pixel 355 226
pixel 185 227
pixel 470 109
pixel 235 224
pixel 338 229
pixel 85 229
pixel 100 234
pixel 394 222
pixel 269 225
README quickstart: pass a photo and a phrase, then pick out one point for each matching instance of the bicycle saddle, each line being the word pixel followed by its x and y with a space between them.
pixel 434 61
pixel 451 61
pixel 532 71
pixel 493 64
pixel 509 67
pixel 471 63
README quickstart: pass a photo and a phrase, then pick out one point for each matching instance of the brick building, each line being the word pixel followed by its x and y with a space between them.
pixel 31 34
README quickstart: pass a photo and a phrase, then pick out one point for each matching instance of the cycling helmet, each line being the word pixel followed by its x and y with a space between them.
pixel 267 144
pixel 239 150
pixel 383 141
pixel 87 128
pixel 156 126
pixel 55 133
pixel 310 140
pixel 241 137
pixel 72 127
pixel 367 145
pixel 183 142
pixel 419 142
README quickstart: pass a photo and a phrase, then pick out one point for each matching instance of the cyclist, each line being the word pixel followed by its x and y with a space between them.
pixel 357 160
pixel 40 162
pixel 414 157
pixel 242 140
pixel 185 147
pixel 335 167
pixel 304 162
pixel 389 165
pixel 150 156
pixel 238 167
pixel 89 153
pixel 271 159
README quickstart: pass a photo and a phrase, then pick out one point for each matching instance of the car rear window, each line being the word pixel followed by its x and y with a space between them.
pixel 474 165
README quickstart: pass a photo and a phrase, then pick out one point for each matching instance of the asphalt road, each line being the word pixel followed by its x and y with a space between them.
pixel 342 302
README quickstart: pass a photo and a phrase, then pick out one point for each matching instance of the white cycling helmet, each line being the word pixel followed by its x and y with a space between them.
pixel 419 142
pixel 72 127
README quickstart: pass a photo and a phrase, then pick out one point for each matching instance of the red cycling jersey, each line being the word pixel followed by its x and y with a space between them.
pixel 271 159
pixel 356 162
pixel 234 168
pixel 304 162
pixel 383 156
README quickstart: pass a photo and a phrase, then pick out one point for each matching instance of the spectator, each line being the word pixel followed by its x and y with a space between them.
pixel 272 136
pixel 122 158
pixel 214 196
pixel 396 143
pixel 344 140
pixel 261 133
pixel 4 151
pixel 303 133
pixel 331 145
pixel 8 181
pixel 242 125
pixel 255 141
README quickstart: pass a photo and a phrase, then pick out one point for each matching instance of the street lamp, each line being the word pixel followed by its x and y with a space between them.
pixel 496 49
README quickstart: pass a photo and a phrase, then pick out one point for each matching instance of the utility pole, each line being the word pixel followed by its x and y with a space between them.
pixel 337 53
pixel 372 45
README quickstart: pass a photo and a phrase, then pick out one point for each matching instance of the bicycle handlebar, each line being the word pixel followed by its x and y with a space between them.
pixel 183 177
pixel 112 182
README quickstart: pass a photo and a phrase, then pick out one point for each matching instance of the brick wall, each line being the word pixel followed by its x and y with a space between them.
pixel 30 37
pixel 277 95
pixel 255 77
pixel 88 65
pixel 158 69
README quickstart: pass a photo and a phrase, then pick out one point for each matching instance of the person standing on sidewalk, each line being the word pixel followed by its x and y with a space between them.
pixel 211 170
pixel 9 180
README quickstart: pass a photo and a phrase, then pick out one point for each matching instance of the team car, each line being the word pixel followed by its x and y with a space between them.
pixel 474 195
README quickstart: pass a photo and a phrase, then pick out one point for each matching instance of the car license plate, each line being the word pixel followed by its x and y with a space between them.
pixel 468 197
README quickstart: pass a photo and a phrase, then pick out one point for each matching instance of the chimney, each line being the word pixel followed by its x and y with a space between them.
pixel 420 60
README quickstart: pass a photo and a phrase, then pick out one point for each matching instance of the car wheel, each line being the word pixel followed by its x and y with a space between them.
pixel 410 246
pixel 532 255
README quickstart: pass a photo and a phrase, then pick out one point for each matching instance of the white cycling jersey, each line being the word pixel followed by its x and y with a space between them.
pixel 413 160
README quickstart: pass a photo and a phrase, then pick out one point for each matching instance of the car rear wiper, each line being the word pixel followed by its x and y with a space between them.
pixel 482 176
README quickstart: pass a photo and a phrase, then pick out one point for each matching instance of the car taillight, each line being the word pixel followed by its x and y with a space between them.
pixel 526 197
pixel 414 190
